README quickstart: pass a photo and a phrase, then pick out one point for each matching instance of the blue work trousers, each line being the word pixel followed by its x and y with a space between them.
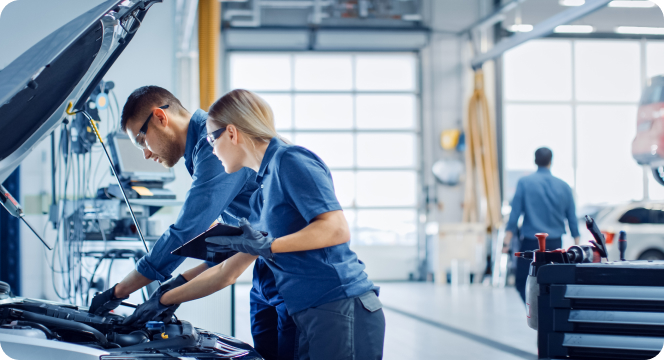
pixel 347 329
pixel 274 332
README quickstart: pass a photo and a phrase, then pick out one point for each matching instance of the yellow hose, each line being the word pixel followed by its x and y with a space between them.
pixel 209 30
pixel 481 158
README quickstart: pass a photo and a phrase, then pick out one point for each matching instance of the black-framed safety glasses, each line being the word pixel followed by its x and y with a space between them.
pixel 139 141
pixel 211 137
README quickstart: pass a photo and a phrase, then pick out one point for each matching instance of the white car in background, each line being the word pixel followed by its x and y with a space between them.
pixel 643 221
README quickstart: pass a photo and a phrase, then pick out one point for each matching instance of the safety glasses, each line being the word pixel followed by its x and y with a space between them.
pixel 211 137
pixel 139 141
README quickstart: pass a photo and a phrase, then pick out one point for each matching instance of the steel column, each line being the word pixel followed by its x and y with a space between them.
pixel 542 29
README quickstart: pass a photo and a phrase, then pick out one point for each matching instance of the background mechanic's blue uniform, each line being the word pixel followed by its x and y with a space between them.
pixel 545 202
pixel 295 187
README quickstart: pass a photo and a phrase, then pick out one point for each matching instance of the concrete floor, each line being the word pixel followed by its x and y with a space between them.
pixel 428 321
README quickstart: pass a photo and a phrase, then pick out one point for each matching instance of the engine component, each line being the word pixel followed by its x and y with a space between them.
pixel 22 330
pixel 133 338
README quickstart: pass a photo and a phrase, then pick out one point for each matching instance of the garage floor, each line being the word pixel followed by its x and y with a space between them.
pixel 428 321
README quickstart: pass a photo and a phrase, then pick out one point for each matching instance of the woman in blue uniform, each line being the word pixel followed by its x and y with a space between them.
pixel 322 282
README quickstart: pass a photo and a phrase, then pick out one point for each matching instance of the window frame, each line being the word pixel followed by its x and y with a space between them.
pixel 418 206
pixel 575 105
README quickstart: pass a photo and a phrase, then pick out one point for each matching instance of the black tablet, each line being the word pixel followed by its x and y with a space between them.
pixel 197 248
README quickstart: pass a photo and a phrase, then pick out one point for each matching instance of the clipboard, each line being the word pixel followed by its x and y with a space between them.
pixel 197 248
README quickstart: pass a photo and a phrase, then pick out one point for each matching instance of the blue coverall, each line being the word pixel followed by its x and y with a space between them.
pixel 326 291
pixel 215 193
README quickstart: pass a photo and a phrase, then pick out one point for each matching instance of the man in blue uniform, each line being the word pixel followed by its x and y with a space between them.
pixel 165 131
pixel 545 202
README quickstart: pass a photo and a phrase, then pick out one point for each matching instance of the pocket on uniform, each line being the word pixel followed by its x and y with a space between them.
pixel 370 301
pixel 326 334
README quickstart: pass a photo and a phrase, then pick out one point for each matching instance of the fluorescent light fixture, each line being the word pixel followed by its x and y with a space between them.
pixel 521 28
pixel 631 4
pixel 640 30
pixel 572 2
pixel 584 29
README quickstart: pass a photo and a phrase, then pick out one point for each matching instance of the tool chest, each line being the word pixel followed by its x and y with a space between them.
pixel 609 310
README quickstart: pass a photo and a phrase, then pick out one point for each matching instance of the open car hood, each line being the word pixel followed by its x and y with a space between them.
pixel 63 68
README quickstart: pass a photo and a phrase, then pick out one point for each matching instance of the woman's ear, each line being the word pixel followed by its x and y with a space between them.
pixel 233 134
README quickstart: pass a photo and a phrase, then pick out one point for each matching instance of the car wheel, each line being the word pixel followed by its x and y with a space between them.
pixel 652 255
pixel 658 174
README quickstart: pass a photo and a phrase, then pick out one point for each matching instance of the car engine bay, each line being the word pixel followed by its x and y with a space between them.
pixel 46 320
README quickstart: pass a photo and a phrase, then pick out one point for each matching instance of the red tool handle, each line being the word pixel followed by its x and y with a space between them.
pixel 541 238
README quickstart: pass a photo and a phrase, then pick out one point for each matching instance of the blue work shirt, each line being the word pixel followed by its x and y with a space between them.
pixel 545 202
pixel 213 193
pixel 295 187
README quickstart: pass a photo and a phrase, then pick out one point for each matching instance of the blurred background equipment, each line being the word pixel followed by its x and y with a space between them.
pixel 82 134
pixel 94 225
pixel 448 172
pixel 449 139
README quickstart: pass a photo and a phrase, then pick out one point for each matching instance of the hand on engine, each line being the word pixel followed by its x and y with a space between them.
pixel 104 302
pixel 153 309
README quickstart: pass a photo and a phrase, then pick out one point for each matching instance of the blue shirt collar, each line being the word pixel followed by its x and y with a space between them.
pixel 196 129
pixel 275 144
pixel 544 170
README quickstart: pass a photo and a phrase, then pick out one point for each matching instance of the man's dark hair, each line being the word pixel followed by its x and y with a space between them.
pixel 543 156
pixel 145 98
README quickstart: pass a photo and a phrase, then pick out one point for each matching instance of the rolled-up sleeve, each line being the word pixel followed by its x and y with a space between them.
pixel 210 194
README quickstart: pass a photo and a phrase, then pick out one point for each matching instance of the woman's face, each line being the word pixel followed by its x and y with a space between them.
pixel 226 147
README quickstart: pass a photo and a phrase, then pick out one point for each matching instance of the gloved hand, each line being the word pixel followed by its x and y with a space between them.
pixel 250 242
pixel 103 303
pixel 151 310
pixel 171 284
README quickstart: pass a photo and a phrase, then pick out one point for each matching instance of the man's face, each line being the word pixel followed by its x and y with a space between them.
pixel 159 141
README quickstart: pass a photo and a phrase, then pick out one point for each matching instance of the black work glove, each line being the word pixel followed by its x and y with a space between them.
pixel 104 302
pixel 167 316
pixel 150 310
pixel 250 242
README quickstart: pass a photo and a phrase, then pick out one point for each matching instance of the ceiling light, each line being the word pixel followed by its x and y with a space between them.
pixel 572 2
pixel 574 29
pixel 521 28
pixel 631 4
pixel 639 30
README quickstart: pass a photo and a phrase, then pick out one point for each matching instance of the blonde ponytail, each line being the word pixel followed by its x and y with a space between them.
pixel 247 111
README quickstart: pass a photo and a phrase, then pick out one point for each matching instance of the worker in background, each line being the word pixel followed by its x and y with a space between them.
pixel 165 132
pixel 545 203
pixel 323 283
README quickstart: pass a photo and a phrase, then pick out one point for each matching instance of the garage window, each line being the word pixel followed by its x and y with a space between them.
pixel 359 113
pixel 567 95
